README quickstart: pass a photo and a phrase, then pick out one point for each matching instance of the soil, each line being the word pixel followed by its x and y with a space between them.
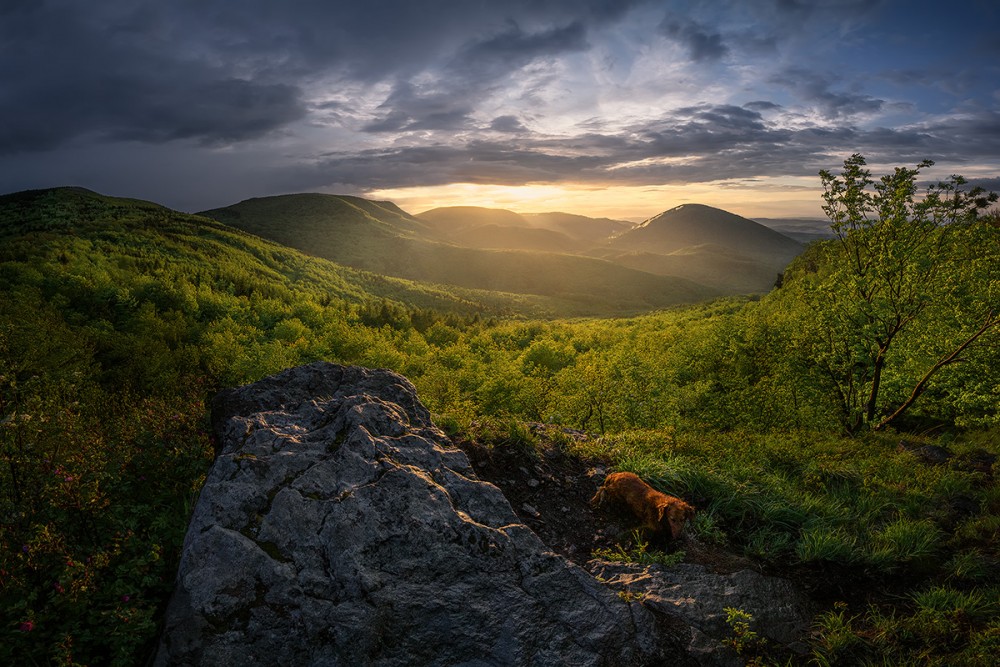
pixel 550 490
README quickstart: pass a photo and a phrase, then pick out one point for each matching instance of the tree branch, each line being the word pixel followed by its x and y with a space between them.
pixel 991 321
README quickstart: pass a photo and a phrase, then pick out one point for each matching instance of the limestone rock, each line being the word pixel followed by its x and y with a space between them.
pixel 696 597
pixel 339 527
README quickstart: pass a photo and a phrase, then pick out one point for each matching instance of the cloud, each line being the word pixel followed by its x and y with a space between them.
pixel 815 88
pixel 447 102
pixel 514 47
pixel 694 144
pixel 702 44
pixel 220 111
pixel 72 78
pixel 218 72
pixel 988 184
pixel 509 124
pixel 408 108
pixel 964 137
pixel 693 130
pixel 762 105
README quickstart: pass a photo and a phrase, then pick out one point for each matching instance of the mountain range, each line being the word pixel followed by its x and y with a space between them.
pixel 805 230
pixel 463 258
pixel 588 265
pixel 710 246
pixel 476 226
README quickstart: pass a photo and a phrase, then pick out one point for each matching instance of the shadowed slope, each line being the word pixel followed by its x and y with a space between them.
pixel 579 227
pixel 447 219
pixel 707 245
pixel 332 227
pixel 694 224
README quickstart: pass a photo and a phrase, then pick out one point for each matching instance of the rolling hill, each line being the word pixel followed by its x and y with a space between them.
pixel 515 238
pixel 151 243
pixel 708 264
pixel 455 218
pixel 690 225
pixel 496 228
pixel 378 237
pixel 579 227
pixel 706 245
pixel 561 232
pixel 804 230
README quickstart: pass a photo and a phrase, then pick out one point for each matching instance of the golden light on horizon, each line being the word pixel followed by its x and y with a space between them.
pixel 761 198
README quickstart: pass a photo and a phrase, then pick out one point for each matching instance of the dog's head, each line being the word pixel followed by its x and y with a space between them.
pixel 674 515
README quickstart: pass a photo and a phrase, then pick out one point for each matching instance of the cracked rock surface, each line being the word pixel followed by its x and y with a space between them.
pixel 338 526
pixel 698 598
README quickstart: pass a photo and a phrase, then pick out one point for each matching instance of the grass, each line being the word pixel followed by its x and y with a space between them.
pixel 637 551
pixel 938 625
pixel 799 501
pixel 808 496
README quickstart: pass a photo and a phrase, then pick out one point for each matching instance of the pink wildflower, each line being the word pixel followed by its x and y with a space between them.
pixel 27 626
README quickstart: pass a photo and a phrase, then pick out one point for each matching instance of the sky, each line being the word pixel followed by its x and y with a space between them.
pixel 617 108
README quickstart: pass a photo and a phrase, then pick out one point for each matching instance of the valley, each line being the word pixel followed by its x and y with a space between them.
pixel 576 343
pixel 585 266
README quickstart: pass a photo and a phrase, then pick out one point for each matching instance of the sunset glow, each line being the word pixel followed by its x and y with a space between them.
pixel 616 109
pixel 775 198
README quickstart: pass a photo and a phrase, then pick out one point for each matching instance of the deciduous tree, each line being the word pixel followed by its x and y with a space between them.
pixel 908 282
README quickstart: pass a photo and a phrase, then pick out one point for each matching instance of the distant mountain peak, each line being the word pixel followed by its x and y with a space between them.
pixel 690 210
pixel 688 225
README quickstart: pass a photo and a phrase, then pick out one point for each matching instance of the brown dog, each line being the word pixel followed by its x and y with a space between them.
pixel 661 514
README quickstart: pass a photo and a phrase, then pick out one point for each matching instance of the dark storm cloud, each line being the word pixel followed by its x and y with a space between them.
pixel 515 46
pixel 471 73
pixel 507 124
pixel 968 136
pixel 988 184
pixel 702 128
pixel 219 72
pixel 701 43
pixel 409 108
pixel 67 73
pixel 762 105
pixel 220 111
pixel 131 108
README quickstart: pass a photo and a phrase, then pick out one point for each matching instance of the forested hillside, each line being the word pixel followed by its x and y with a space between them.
pixel 780 418
pixel 378 237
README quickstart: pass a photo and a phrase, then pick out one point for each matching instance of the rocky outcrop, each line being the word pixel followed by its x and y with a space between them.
pixel 695 597
pixel 339 527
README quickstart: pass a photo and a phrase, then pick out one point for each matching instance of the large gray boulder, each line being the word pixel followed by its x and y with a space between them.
pixel 338 526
